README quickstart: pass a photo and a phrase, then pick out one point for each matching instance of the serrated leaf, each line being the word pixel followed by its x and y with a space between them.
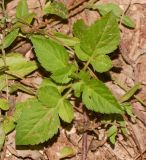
pixel 17 65
pixel 51 55
pixel 128 22
pixel 66 112
pixel 4 104
pixel 56 8
pixel 50 97
pixel 130 93
pixel 97 97
pixel 66 152
pixel 111 133
pixel 79 28
pixel 66 40
pixel 63 75
pixel 102 37
pixel 21 9
pixel 10 37
pixel 8 124
pixel 36 124
pixel 101 63
pixel 116 10
pixel 2 137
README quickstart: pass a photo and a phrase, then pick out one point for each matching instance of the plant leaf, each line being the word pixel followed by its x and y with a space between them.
pixel 97 97
pixel 4 104
pixel 128 22
pixel 101 63
pixel 51 55
pixel 116 10
pixel 66 152
pixel 36 124
pixel 50 97
pixel 63 75
pixel 79 28
pixel 10 37
pixel 66 40
pixel 102 37
pixel 65 110
pixel 111 133
pixel 21 9
pixel 17 65
pixel 8 124
pixel 2 137
pixel 130 93
pixel 56 8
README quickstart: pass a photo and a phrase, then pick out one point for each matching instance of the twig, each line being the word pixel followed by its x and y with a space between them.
pixel 84 139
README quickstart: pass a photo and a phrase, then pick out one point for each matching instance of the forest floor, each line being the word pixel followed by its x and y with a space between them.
pixel 131 61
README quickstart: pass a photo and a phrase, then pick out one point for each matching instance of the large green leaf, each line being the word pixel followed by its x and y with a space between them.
pixel 4 105
pixel 2 137
pixel 51 55
pixel 36 124
pixel 18 65
pixel 8 40
pixel 102 37
pixel 22 8
pixel 97 97
pixel 56 8
pixel 51 97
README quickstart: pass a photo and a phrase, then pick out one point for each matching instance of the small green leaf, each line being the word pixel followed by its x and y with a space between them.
pixel 111 133
pixel 4 104
pixel 51 55
pixel 63 75
pixel 130 93
pixel 116 10
pixel 18 65
pixel 10 37
pixel 21 9
pixel 56 8
pixel 65 110
pixel 79 28
pixel 102 37
pixel 80 53
pixel 128 109
pixel 66 40
pixel 2 137
pixel 18 86
pixel 78 88
pixel 128 22
pixel 66 152
pixel 48 96
pixel 36 124
pixel 108 7
pixel 8 124
pixel 101 63
pixel 97 97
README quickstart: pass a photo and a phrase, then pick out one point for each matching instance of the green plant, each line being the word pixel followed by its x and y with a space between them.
pixel 73 63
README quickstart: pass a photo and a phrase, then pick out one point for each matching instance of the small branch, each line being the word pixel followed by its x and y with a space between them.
pixel 85 137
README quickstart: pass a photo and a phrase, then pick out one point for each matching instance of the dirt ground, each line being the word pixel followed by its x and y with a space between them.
pixel 131 59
